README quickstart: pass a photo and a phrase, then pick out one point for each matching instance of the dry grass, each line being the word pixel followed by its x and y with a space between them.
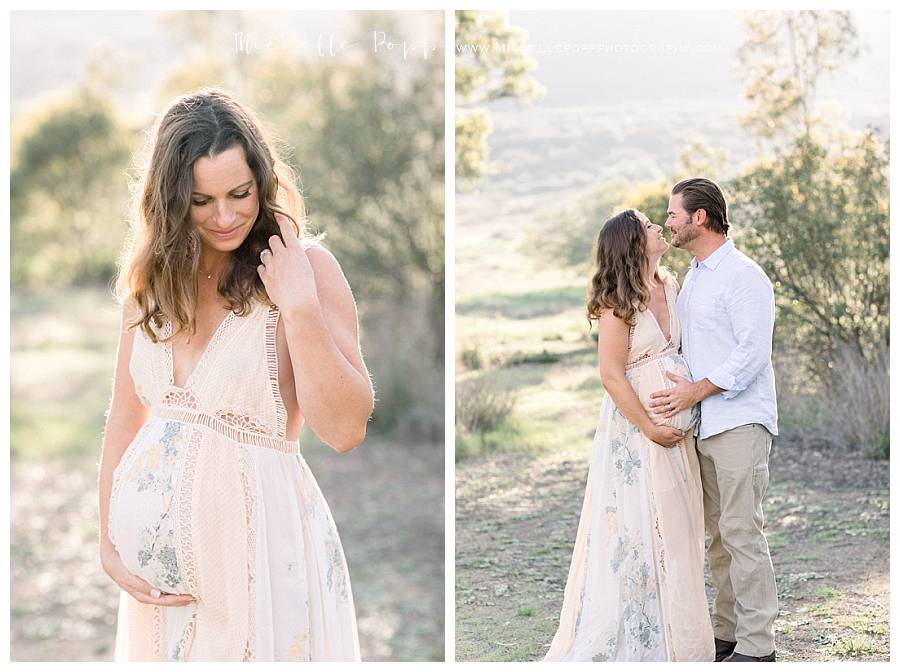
pixel 482 406
pixel 859 411
pixel 852 412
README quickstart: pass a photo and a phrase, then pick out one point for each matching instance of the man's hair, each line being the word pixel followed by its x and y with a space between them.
pixel 698 192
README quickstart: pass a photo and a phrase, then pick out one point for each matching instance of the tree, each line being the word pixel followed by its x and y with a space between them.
pixel 369 138
pixel 215 59
pixel 571 235
pixel 815 218
pixel 814 214
pixel 68 194
pixel 783 57
pixel 698 158
pixel 491 63
pixel 817 222
pixel 366 134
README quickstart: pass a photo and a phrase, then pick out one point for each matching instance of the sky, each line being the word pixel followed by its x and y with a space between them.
pixel 49 49
pixel 671 55
pixel 626 92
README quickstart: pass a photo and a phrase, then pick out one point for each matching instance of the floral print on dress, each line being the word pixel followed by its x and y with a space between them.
pixel 605 656
pixel 583 589
pixel 336 575
pixel 614 608
pixel 624 451
pixel 299 648
pixel 679 367
pixel 159 550
pixel 162 479
pixel 638 590
pixel 155 471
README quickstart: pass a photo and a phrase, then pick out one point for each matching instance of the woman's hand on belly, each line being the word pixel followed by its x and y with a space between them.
pixel 664 435
pixel 134 585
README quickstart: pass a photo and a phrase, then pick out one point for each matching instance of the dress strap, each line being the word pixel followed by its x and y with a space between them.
pixel 272 365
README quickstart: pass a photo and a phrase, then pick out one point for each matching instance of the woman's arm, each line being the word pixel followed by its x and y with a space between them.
pixel 123 420
pixel 332 383
pixel 612 347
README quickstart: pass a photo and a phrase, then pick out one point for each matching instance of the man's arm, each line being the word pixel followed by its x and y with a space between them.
pixel 751 309
pixel 703 389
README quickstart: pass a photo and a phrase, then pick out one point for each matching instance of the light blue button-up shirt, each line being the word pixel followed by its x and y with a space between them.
pixel 727 313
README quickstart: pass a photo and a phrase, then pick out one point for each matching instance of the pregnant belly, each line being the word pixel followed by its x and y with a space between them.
pixel 651 377
pixel 143 506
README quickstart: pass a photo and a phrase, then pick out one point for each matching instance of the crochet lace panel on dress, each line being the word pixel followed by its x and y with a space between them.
pixel 248 478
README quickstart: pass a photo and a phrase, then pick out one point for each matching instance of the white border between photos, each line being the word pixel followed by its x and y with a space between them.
pixel 449 341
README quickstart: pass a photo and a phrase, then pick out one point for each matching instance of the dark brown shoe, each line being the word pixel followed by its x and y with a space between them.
pixel 723 649
pixel 741 658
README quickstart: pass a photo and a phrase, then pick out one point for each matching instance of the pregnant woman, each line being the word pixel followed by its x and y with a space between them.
pixel 236 330
pixel 635 589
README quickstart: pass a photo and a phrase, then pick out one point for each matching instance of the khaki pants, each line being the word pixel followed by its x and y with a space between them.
pixel 734 468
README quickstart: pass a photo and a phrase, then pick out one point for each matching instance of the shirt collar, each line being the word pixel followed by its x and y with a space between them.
pixel 713 260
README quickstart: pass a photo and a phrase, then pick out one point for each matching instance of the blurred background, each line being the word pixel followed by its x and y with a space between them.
pixel 563 119
pixel 357 99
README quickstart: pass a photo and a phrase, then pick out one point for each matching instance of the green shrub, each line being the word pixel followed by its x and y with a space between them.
pixel 542 357
pixel 470 356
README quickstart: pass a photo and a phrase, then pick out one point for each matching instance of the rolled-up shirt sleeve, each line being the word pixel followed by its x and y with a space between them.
pixel 751 310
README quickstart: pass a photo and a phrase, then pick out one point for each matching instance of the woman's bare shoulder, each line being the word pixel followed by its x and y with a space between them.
pixel 331 283
pixel 318 254
pixel 608 321
pixel 131 311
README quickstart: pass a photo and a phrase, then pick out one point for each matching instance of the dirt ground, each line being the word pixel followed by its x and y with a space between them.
pixel 387 503
pixel 827 522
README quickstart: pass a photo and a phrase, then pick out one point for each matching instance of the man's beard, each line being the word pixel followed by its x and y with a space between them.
pixel 685 235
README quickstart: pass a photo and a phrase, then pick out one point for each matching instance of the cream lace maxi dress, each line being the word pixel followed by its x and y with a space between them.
pixel 635 589
pixel 211 499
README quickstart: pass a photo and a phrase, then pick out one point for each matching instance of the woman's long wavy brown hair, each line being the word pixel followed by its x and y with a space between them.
pixel 621 281
pixel 159 267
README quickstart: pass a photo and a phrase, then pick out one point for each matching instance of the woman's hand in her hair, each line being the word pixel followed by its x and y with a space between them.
pixel 286 271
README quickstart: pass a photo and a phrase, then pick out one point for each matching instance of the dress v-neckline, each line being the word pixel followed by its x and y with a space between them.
pixel 668 338
pixel 203 355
